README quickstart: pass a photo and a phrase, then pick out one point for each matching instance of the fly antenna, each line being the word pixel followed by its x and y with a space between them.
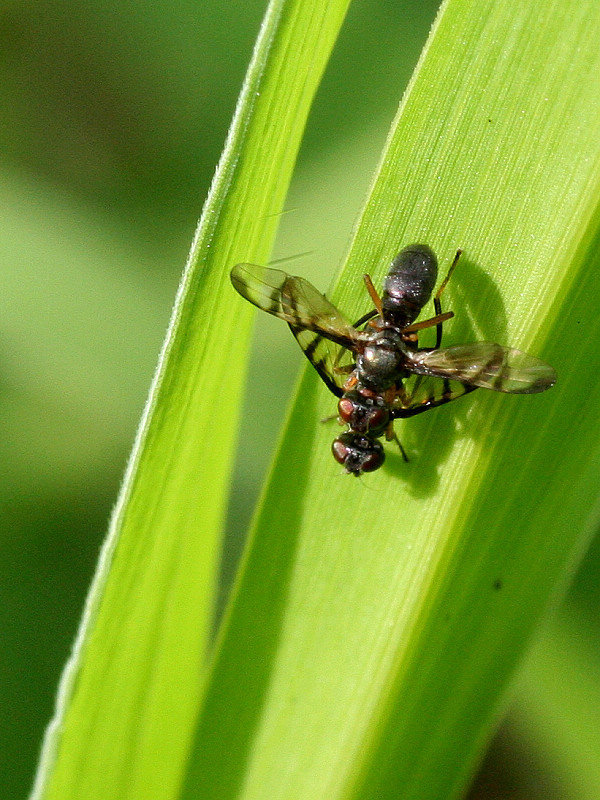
pixel 286 259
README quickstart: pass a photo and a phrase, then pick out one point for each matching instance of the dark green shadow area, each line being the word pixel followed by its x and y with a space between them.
pixel 241 672
pixel 49 538
pixel 429 438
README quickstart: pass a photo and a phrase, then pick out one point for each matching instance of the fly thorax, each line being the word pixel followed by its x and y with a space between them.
pixel 382 362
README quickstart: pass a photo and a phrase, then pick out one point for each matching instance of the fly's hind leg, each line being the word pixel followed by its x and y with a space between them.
pixel 440 317
pixel 391 435
pixel 436 300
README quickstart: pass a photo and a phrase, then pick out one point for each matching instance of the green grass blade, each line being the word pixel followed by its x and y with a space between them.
pixel 561 727
pixel 130 693
pixel 376 623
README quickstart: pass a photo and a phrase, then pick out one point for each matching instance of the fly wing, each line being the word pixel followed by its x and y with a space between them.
pixel 488 365
pixel 323 333
pixel 422 392
pixel 332 362
pixel 294 300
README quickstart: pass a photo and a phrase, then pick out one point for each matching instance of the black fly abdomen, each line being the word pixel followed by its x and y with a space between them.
pixel 409 284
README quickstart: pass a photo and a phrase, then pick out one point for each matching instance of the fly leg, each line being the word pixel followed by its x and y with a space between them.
pixel 436 300
pixel 391 435
pixel 440 317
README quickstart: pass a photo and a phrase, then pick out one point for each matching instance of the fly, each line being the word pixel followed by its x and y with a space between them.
pixel 376 367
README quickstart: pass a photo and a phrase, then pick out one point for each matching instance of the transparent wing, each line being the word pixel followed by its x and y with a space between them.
pixel 323 333
pixel 294 300
pixel 488 365
pixel 332 361
pixel 422 392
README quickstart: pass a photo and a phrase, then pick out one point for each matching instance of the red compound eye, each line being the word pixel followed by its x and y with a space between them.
pixel 346 409
pixel 372 461
pixel 378 419
pixel 340 451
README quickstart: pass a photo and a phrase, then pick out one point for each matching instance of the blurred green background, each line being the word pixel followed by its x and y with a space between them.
pixel 113 119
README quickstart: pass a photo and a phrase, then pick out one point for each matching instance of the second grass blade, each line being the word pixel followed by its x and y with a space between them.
pixel 376 623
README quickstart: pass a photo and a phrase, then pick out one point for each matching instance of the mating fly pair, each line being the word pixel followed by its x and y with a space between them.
pixel 376 366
